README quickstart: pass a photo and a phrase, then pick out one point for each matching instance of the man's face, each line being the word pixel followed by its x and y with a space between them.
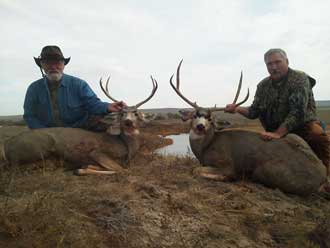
pixel 53 69
pixel 277 66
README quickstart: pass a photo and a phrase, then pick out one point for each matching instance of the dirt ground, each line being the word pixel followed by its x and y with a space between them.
pixel 159 204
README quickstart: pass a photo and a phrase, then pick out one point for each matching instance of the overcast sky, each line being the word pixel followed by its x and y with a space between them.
pixel 131 40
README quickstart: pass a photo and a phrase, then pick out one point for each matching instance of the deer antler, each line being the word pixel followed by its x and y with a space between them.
pixel 154 89
pixel 193 104
pixel 236 96
pixel 177 88
pixel 106 91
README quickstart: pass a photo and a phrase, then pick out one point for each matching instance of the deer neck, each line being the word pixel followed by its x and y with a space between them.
pixel 132 143
pixel 199 144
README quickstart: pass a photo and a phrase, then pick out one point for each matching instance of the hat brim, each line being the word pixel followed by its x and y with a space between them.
pixel 38 61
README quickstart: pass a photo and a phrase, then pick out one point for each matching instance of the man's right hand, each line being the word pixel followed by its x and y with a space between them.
pixel 230 108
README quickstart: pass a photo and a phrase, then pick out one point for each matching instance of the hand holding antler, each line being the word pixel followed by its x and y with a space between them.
pixel 116 106
pixel 230 108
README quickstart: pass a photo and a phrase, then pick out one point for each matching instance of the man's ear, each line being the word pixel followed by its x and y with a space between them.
pixel 186 114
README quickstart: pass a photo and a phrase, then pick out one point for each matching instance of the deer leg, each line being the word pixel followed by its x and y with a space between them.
pixel 106 162
pixel 213 173
pixel 93 167
pixel 88 171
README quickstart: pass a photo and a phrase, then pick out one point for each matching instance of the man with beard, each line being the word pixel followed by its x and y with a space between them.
pixel 61 100
pixel 284 103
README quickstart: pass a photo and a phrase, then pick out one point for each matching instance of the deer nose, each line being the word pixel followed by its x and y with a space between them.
pixel 128 123
pixel 200 127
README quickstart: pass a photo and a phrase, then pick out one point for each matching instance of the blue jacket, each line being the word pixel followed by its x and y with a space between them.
pixel 75 99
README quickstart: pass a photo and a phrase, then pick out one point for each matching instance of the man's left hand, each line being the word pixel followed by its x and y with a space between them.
pixel 269 136
pixel 116 106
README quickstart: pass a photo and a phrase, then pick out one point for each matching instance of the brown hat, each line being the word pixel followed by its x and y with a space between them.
pixel 51 53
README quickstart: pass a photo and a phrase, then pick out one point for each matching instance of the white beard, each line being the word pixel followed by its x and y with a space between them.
pixel 54 76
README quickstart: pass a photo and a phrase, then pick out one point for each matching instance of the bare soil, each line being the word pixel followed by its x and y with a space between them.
pixel 159 204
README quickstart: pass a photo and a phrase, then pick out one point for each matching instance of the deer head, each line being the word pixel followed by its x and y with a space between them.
pixel 126 121
pixel 201 117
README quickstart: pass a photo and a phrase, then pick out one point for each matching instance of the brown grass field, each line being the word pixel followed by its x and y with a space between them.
pixel 159 204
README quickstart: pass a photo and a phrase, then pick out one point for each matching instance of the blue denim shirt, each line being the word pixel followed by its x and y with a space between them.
pixel 75 99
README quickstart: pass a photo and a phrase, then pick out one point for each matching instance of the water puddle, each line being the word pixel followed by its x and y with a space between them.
pixel 180 146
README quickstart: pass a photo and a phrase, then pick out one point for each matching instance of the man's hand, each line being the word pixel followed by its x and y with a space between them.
pixel 230 108
pixel 116 106
pixel 267 136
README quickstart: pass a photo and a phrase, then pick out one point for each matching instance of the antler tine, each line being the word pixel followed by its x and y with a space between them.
pixel 177 88
pixel 236 96
pixel 238 91
pixel 178 75
pixel 154 89
pixel 106 92
pixel 239 87
pixel 245 99
pixel 237 104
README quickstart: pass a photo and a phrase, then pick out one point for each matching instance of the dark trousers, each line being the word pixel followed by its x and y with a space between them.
pixel 313 133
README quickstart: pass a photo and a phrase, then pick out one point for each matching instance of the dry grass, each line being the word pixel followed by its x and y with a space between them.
pixel 160 204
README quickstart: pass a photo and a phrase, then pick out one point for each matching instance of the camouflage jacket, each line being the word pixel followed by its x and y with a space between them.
pixel 288 103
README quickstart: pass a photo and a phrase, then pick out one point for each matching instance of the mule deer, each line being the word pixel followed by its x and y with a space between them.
pixel 287 163
pixel 101 153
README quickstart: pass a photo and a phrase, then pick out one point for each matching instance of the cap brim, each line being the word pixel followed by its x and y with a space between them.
pixel 38 61
pixel 66 60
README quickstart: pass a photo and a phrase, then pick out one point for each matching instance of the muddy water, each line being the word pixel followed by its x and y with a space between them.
pixel 179 147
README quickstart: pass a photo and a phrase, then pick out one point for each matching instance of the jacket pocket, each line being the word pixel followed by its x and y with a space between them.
pixel 75 109
pixel 74 102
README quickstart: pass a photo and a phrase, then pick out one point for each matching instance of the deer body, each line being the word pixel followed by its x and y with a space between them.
pixel 73 144
pixel 288 163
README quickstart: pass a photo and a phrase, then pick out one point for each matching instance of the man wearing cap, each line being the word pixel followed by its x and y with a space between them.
pixel 284 103
pixel 61 100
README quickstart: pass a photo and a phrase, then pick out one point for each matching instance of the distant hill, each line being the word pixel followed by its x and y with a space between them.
pixel 323 104
pixel 162 110
pixel 11 118
pixel 17 118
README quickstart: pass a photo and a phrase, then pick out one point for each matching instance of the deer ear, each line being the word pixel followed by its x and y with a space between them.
pixel 141 116
pixel 186 114
pixel 221 124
